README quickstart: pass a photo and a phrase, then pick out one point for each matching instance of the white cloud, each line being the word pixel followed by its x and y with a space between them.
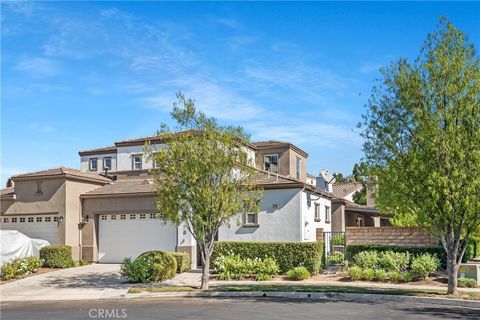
pixel 38 67
pixel 211 98
pixel 367 68
pixel 39 127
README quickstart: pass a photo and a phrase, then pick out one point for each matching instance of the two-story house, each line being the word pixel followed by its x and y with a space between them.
pixel 117 218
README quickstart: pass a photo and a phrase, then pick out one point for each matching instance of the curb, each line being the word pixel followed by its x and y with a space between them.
pixel 370 297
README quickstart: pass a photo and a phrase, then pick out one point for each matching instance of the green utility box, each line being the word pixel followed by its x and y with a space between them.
pixel 470 271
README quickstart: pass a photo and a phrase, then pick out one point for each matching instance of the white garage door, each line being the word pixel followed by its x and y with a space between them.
pixel 129 235
pixel 37 227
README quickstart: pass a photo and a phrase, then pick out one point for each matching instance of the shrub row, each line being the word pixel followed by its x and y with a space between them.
pixel 357 273
pixel 236 267
pixel 57 256
pixel 467 283
pixel 352 250
pixel 18 268
pixel 288 255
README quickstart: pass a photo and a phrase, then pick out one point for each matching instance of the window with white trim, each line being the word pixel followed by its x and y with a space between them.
pixel 123 216
pixel 153 216
pixel 113 217
pixel 251 218
pixel 137 162
pixel 22 219
pixel 270 162
pixel 93 164
pixel 5 220
pixel 132 217
pixel 327 214
pixel 14 220
pixel 142 215
pixel 104 217
pixel 48 219
pixel 55 219
pixel 39 219
pixel 107 163
pixel 318 216
pixel 30 219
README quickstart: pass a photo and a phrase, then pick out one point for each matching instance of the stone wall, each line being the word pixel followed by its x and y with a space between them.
pixel 407 237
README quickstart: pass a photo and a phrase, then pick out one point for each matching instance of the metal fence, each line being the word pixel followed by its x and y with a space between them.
pixel 334 243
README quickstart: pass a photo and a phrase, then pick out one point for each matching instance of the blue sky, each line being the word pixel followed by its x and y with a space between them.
pixel 83 75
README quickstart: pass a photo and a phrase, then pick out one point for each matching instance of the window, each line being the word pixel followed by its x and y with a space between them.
pixel 14 220
pixel 327 214
pixel 39 219
pixel 298 163
pixel 104 217
pixel 153 216
pixel 39 187
pixel 93 164
pixel 132 217
pixel 154 163
pixel 317 212
pixel 123 216
pixel 22 219
pixel 30 219
pixel 5 220
pixel 137 162
pixel 55 219
pixel 251 219
pixel 270 162
pixel 107 163
pixel 48 219
pixel 113 217
pixel 142 215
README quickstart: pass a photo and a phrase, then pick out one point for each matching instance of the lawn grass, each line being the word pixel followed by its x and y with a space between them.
pixel 311 288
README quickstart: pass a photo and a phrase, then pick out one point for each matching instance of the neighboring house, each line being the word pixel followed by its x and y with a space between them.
pixel 346 190
pixel 46 204
pixel 346 213
pixel 116 218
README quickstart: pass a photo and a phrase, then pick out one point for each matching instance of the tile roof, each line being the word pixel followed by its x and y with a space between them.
pixel 127 186
pixel 145 184
pixel 62 171
pixel 7 192
pixel 344 189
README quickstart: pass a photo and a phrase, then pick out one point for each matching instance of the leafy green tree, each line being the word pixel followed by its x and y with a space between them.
pixel 422 137
pixel 203 177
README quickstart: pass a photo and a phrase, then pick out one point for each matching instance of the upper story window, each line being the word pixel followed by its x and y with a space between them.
pixel 39 187
pixel 107 163
pixel 270 162
pixel 317 212
pixel 93 164
pixel 327 214
pixel 298 163
pixel 137 162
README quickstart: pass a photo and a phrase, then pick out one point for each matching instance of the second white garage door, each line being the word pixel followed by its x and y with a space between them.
pixel 128 235
pixel 36 227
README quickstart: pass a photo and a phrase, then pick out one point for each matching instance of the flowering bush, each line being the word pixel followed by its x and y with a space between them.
pixel 19 268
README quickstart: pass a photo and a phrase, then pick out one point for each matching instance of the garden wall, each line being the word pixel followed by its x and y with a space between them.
pixel 392 236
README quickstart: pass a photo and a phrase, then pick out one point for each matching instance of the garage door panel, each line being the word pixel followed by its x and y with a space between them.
pixel 44 231
pixel 123 238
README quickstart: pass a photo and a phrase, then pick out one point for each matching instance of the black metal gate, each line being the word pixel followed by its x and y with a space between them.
pixel 334 243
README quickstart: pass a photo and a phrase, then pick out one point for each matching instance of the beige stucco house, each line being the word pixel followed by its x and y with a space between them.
pixel 46 204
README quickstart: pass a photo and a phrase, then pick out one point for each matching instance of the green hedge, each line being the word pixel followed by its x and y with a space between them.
pixel 352 250
pixel 288 255
pixel 472 251
pixel 183 261
pixel 57 256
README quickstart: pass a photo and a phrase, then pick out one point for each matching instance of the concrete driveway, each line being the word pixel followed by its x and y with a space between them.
pixel 96 281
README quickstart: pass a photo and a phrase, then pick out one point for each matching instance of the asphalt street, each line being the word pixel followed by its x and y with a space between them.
pixel 239 308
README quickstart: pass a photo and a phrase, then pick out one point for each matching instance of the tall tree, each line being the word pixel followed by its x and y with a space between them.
pixel 422 136
pixel 202 177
